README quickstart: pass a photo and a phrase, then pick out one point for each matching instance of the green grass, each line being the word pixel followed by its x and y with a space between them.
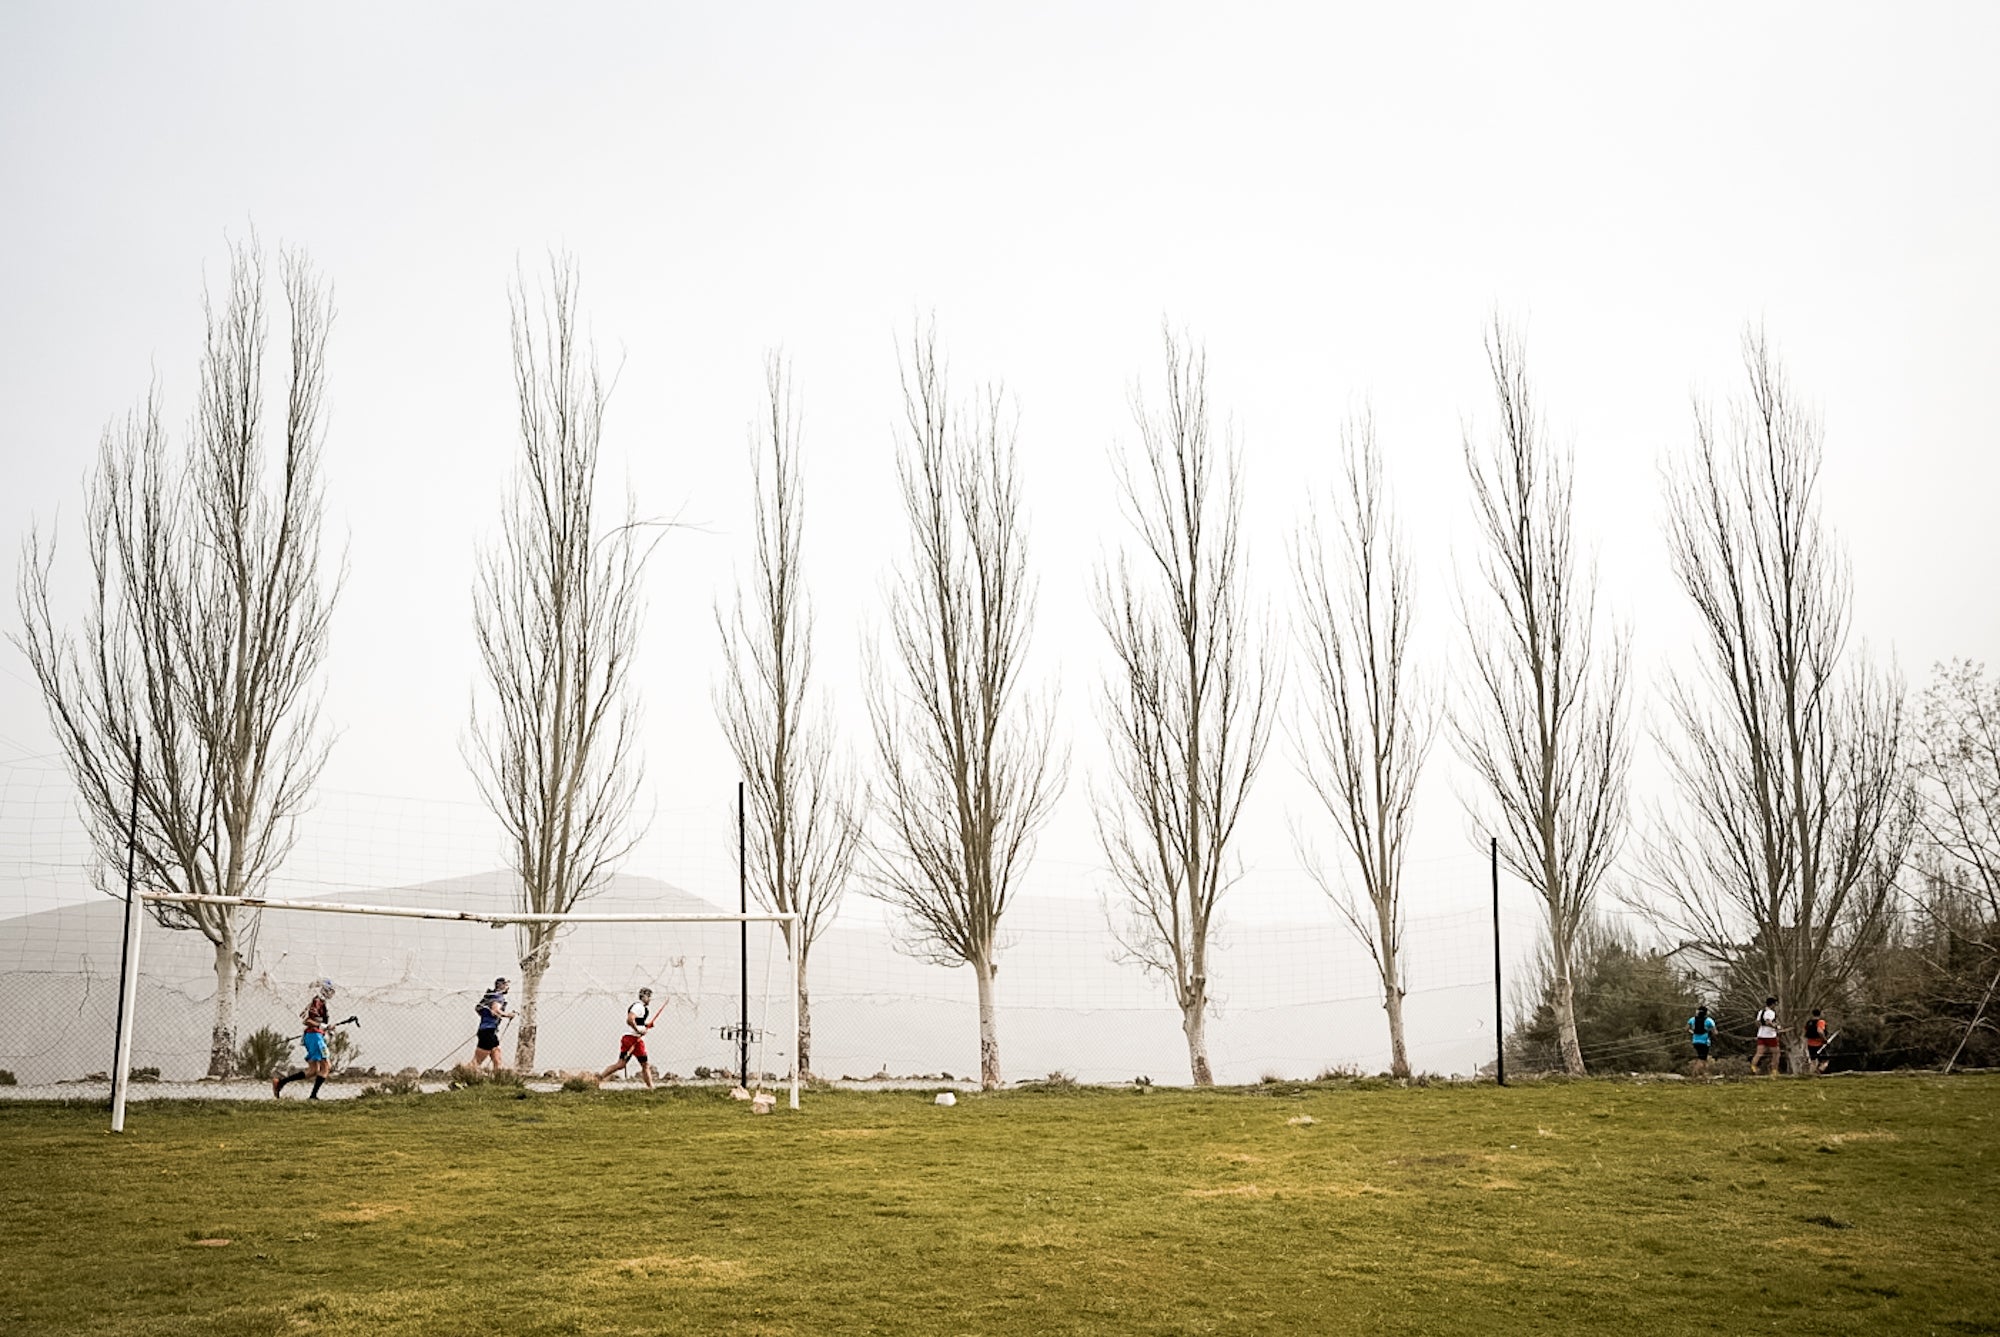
pixel 1832 1206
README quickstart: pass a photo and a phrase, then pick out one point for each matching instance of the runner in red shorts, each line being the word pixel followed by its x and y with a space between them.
pixel 632 1044
pixel 1768 1032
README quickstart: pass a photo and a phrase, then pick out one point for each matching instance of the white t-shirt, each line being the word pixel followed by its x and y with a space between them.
pixel 1767 1025
pixel 641 1012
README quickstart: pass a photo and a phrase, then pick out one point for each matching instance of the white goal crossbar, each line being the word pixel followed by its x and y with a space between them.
pixel 129 981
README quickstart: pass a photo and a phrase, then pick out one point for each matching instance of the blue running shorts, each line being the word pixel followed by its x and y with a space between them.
pixel 315 1047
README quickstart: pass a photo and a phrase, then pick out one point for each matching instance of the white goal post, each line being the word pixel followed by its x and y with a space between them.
pixel 129 975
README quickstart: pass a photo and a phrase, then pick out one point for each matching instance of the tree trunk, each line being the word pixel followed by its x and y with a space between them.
pixel 1565 1001
pixel 1194 1024
pixel 1392 1003
pixel 534 964
pixel 222 1039
pixel 805 1026
pixel 1392 983
pixel 989 1035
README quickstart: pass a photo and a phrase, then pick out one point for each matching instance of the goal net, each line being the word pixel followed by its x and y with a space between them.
pixel 723 996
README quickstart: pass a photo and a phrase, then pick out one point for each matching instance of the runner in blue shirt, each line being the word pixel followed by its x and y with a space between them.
pixel 492 1011
pixel 1701 1030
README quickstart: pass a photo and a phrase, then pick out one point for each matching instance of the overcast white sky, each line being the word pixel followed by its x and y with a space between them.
pixel 1331 199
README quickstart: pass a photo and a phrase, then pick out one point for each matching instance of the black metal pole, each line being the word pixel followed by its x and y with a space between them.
pixel 131 852
pixel 1499 1024
pixel 743 941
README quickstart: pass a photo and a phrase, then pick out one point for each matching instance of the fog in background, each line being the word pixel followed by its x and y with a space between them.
pixel 1333 201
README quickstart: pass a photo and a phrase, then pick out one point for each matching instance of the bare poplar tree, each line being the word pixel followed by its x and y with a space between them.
pixel 1543 714
pixel 1958 765
pixel 556 612
pixel 1958 760
pixel 804 808
pixel 1367 721
pixel 966 766
pixel 1794 809
pixel 197 663
pixel 1188 698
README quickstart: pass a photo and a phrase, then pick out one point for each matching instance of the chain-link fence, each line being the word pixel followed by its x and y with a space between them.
pixel 1294 994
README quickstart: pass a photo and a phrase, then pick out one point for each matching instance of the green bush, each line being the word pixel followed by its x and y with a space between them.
pixel 343 1051
pixel 467 1075
pixel 399 1084
pixel 579 1084
pixel 6 1077
pixel 1632 1007
pixel 145 1074
pixel 263 1053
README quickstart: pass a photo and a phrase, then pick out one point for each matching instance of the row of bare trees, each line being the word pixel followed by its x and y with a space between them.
pixel 192 678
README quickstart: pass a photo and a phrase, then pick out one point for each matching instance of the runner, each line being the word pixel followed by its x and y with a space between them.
pixel 1701 1030
pixel 632 1044
pixel 1768 1031
pixel 1816 1041
pixel 318 1063
pixel 492 1011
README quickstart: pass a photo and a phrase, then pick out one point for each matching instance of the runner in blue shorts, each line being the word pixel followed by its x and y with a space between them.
pixel 319 1062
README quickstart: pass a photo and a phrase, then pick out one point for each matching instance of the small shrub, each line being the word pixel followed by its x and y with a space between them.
pixel 703 1073
pixel 342 1050
pixel 401 1084
pixel 145 1074
pixel 1339 1072
pixel 1055 1081
pixel 6 1077
pixel 1142 1082
pixel 578 1084
pixel 263 1053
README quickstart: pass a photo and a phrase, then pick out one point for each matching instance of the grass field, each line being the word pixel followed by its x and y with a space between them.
pixel 1841 1205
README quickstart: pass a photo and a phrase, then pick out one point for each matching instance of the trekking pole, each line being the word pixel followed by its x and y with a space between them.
pixel 449 1052
pixel 1952 1062
pixel 332 1025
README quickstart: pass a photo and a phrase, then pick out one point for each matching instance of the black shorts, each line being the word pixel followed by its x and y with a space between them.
pixel 488 1040
pixel 1700 1053
pixel 1813 1051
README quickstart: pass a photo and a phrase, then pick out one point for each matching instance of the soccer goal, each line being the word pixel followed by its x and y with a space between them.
pixel 408 981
